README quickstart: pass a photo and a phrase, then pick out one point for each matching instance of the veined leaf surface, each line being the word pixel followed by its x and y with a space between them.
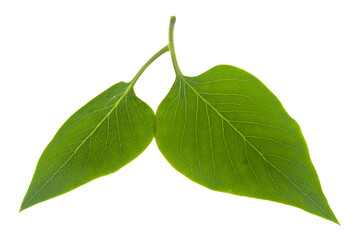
pixel 226 131
pixel 100 138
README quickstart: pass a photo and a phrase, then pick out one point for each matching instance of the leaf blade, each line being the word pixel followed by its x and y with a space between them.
pixel 100 138
pixel 50 179
pixel 243 118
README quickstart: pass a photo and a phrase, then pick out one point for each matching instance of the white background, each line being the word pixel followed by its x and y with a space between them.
pixel 57 55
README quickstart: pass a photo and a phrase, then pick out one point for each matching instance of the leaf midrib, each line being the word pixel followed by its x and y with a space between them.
pixel 130 86
pixel 245 139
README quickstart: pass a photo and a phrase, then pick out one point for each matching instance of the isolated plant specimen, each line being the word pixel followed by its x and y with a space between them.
pixel 223 129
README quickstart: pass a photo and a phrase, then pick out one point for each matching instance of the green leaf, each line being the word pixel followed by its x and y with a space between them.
pixel 226 131
pixel 100 138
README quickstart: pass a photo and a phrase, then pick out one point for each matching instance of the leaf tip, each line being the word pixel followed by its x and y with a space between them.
pixel 331 217
pixel 335 220
pixel 25 203
pixel 23 207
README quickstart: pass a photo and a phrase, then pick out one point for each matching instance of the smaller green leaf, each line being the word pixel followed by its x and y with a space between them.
pixel 226 131
pixel 100 138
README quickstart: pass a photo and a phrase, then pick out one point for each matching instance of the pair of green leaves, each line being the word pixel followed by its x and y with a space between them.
pixel 222 129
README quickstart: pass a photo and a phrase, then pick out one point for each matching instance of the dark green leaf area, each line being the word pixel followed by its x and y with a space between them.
pixel 100 138
pixel 225 130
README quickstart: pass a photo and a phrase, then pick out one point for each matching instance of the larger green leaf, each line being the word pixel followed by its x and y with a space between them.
pixel 226 131
pixel 100 138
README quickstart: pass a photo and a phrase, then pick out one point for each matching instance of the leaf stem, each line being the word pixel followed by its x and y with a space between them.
pixel 171 46
pixel 152 59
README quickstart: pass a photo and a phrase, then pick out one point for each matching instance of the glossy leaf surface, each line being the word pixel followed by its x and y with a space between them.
pixel 226 131
pixel 100 138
